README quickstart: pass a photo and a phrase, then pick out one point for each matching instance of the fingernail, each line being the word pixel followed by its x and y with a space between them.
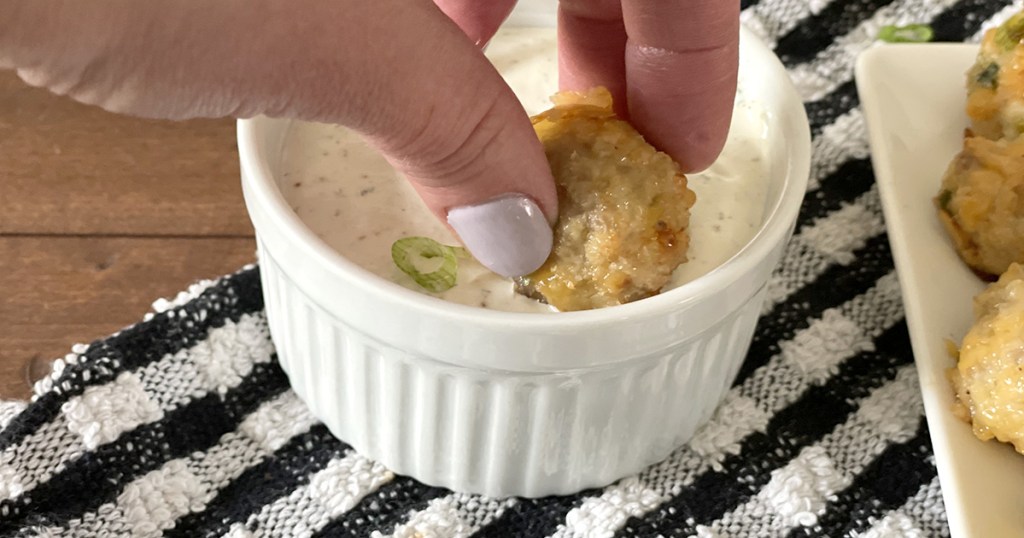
pixel 508 235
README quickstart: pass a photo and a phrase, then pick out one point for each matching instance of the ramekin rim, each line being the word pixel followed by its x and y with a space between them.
pixel 780 216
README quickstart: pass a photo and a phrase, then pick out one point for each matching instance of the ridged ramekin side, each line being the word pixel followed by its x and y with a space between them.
pixel 495 432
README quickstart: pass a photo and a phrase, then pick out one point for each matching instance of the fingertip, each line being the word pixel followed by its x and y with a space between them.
pixel 682 102
pixel 691 129
pixel 698 156
pixel 509 235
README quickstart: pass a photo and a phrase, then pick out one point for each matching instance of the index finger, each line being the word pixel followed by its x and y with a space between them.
pixel 682 58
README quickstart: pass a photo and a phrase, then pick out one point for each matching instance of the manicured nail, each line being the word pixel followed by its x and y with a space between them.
pixel 509 235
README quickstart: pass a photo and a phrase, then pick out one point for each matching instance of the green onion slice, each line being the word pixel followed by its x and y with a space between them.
pixel 1009 34
pixel 432 265
pixel 911 33
pixel 989 77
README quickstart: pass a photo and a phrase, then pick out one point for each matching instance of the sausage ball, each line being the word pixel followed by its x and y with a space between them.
pixel 981 204
pixel 995 84
pixel 624 208
pixel 989 376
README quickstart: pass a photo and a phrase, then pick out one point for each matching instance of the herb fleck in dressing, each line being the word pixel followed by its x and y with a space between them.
pixel 351 197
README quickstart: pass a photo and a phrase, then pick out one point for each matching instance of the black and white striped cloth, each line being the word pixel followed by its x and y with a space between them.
pixel 184 425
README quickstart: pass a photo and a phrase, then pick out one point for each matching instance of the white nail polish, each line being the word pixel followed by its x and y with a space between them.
pixel 508 235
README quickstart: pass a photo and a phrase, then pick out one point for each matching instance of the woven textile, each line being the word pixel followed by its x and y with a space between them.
pixel 184 424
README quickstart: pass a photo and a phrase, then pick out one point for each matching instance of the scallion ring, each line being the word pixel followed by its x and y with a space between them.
pixel 432 265
pixel 911 33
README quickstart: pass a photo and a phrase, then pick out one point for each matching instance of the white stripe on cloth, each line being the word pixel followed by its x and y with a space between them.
pixel 772 19
pixel 827 241
pixel 844 139
pixel 845 230
pixel 815 351
pixel 998 18
pixel 922 516
pixel 45 384
pixel 10 409
pixel 798 493
pixel 11 484
pixel 838 335
pixel 330 492
pixel 456 516
pixel 834 65
pixel 103 412
pixel 152 503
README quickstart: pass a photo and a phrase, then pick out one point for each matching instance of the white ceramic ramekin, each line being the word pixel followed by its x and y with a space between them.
pixel 515 404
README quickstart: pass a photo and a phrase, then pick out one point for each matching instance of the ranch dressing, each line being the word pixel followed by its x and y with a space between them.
pixel 352 199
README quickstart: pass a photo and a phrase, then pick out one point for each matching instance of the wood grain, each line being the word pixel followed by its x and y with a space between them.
pixel 99 216
pixel 67 168
pixel 62 291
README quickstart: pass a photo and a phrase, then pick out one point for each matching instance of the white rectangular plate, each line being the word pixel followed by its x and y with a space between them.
pixel 913 98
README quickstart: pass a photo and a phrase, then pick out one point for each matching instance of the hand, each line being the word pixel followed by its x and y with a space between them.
pixel 400 73
pixel 671 65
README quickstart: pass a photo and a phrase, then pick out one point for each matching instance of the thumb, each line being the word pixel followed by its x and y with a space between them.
pixel 398 71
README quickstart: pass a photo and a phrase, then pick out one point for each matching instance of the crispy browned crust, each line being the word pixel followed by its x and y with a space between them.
pixel 981 204
pixel 624 209
pixel 965 248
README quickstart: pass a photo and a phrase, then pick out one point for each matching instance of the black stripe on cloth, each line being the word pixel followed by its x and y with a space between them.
pixel 793 428
pixel 815 33
pixel 140 345
pixel 844 185
pixel 887 483
pixel 835 286
pixel 290 467
pixel 382 509
pixel 824 111
pixel 964 19
pixel 534 517
pixel 98 477
pixel 746 4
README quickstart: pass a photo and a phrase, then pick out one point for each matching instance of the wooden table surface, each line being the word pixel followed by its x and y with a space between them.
pixel 100 215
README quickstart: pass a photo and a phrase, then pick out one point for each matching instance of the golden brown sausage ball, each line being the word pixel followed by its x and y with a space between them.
pixel 995 84
pixel 981 203
pixel 989 377
pixel 624 208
